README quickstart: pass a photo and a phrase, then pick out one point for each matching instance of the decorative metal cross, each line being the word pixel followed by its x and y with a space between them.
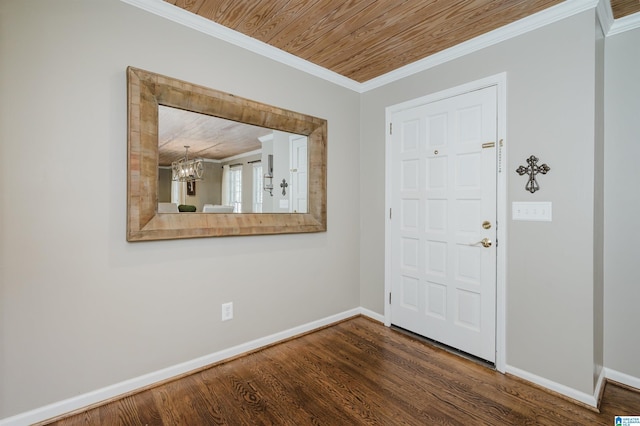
pixel 284 186
pixel 532 170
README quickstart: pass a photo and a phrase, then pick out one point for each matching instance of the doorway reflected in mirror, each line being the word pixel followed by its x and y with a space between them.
pixel 191 188
pixel 230 152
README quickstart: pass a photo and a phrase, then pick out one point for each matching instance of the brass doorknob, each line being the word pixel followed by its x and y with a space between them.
pixel 486 243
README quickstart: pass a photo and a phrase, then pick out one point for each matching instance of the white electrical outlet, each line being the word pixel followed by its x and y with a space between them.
pixel 227 311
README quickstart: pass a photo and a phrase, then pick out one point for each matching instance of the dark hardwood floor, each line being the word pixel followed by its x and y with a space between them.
pixel 355 372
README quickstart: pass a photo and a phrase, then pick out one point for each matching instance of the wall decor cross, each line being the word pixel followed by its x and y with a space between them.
pixel 284 185
pixel 532 170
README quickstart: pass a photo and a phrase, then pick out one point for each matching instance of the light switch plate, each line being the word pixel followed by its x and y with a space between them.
pixel 539 211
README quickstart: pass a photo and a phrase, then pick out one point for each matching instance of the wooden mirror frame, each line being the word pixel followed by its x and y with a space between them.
pixel 147 90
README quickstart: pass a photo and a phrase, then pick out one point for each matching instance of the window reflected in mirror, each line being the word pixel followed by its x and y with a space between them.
pixel 245 168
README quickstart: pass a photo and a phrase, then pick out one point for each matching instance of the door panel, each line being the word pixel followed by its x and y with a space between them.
pixel 444 188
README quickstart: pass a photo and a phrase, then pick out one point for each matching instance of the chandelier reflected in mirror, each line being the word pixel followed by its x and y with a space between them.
pixel 185 170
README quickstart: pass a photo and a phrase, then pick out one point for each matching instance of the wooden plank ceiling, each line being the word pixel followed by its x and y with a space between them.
pixel 622 8
pixel 206 136
pixel 364 39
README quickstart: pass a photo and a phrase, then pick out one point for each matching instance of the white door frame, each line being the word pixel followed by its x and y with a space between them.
pixel 500 81
pixel 294 192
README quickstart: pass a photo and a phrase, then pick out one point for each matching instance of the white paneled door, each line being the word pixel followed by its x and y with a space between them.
pixel 443 223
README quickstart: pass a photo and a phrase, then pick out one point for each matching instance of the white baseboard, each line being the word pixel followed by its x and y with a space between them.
pixel 585 398
pixel 622 378
pixel 94 397
pixel 597 392
pixel 373 315
pixel 90 398
pixel 592 400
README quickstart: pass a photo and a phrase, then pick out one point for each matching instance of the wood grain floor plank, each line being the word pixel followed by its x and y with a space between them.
pixel 389 390
pixel 442 384
pixel 322 399
pixel 356 372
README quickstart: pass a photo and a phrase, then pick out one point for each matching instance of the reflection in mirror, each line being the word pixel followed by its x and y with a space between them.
pixel 239 160
pixel 147 219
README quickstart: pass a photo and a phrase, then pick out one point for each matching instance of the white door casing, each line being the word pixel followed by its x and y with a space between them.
pixel 442 178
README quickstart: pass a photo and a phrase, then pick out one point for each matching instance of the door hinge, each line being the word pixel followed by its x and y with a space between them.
pixel 390 128
pixel 390 211
pixel 389 297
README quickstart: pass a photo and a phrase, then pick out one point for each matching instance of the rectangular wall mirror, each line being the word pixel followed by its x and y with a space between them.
pixel 204 163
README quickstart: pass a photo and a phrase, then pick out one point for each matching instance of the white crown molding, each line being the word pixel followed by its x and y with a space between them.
pixel 206 26
pixel 627 23
pixel 605 15
pixel 612 26
pixel 545 17
pixel 243 155
pixel 563 10
pixel 522 26
pixel 266 138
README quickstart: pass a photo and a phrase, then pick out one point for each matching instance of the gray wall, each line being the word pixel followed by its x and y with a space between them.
pixel 622 203
pixel 550 113
pixel 80 307
pixel 210 190
pixel 164 184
